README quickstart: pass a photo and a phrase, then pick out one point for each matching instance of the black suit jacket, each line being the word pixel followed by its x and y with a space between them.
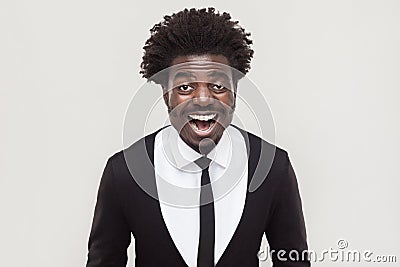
pixel 123 207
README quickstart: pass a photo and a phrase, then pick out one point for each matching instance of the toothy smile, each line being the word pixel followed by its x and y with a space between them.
pixel 202 123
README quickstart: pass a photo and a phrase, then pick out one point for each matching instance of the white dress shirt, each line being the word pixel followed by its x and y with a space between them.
pixel 175 169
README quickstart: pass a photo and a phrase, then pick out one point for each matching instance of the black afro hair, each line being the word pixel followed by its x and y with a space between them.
pixel 196 32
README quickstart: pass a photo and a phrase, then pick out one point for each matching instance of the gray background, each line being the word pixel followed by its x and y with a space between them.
pixel 68 70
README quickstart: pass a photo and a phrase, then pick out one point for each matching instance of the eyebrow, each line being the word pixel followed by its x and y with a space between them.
pixel 184 74
pixel 219 74
pixel 190 75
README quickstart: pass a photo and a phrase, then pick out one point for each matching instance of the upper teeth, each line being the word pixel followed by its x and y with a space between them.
pixel 202 117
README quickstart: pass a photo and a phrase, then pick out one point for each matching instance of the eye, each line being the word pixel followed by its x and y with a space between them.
pixel 185 88
pixel 217 87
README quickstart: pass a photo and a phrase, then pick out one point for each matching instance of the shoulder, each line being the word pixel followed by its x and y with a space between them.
pixel 131 168
pixel 143 145
pixel 267 162
pixel 135 154
pixel 259 145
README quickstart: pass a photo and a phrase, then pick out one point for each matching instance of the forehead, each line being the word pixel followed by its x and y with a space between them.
pixel 205 57
pixel 200 67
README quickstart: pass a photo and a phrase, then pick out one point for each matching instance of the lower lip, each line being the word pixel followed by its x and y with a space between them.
pixel 203 133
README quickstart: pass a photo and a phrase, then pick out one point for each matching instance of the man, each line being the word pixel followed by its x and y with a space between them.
pixel 183 191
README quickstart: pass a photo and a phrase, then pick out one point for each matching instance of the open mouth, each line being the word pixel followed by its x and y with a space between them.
pixel 202 123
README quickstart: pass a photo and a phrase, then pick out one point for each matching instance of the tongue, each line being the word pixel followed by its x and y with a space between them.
pixel 202 125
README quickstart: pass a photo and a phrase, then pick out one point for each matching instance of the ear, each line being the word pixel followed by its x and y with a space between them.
pixel 234 101
pixel 165 96
pixel 234 93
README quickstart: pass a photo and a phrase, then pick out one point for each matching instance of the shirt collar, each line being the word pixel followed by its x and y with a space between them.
pixel 183 155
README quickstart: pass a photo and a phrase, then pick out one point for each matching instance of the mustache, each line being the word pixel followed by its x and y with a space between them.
pixel 188 111
pixel 199 109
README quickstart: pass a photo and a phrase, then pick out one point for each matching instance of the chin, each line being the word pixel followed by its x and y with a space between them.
pixel 208 138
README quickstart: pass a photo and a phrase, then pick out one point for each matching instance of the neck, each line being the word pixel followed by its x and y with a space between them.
pixel 204 147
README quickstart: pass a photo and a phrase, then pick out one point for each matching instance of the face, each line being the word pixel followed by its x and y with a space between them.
pixel 200 98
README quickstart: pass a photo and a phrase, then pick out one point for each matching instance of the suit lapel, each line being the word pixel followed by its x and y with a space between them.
pixel 149 146
pixel 252 148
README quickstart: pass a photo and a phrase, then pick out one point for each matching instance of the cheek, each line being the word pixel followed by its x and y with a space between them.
pixel 228 99
pixel 175 99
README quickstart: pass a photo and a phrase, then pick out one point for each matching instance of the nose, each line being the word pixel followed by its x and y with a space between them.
pixel 203 95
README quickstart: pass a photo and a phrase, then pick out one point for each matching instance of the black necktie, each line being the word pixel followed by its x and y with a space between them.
pixel 205 254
